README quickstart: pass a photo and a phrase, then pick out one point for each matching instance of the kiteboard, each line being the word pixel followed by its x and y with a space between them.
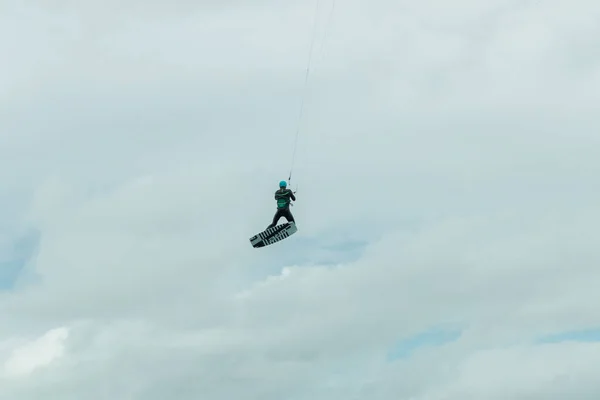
pixel 273 235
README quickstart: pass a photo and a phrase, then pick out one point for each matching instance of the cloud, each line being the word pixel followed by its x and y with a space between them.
pixel 445 172
pixel 39 353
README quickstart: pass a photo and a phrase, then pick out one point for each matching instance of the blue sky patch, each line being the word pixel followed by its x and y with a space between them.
pixel 585 335
pixel 14 259
pixel 430 338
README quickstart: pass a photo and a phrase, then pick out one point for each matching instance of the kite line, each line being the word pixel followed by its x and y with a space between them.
pixel 312 41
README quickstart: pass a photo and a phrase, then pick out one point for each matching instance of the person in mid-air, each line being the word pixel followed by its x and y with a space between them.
pixel 283 196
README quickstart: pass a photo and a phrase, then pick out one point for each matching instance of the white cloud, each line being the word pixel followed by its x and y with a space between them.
pixel 36 354
pixel 459 142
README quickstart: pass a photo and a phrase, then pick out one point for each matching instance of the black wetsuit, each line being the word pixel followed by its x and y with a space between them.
pixel 283 197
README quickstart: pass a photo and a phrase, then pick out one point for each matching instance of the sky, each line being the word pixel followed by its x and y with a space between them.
pixel 447 200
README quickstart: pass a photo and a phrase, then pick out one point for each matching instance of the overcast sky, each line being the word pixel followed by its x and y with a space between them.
pixel 447 200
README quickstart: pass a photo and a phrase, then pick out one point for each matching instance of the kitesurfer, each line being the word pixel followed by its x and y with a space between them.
pixel 283 196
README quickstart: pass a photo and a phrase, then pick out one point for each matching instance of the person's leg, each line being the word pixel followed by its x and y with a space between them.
pixel 288 216
pixel 275 219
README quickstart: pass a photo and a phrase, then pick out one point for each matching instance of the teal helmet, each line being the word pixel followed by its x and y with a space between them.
pixel 282 184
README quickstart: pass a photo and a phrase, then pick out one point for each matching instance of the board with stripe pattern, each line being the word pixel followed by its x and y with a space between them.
pixel 273 235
